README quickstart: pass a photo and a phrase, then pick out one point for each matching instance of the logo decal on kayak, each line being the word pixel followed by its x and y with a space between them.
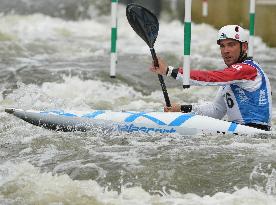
pixel 133 128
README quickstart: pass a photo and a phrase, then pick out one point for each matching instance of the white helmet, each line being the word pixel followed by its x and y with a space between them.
pixel 233 32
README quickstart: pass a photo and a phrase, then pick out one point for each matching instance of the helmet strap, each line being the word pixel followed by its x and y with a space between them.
pixel 242 56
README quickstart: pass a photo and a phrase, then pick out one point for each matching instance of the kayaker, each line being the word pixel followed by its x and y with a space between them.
pixel 244 94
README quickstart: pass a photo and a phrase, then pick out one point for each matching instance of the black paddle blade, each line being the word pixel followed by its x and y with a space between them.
pixel 143 22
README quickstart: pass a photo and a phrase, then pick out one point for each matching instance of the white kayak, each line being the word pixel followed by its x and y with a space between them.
pixel 131 121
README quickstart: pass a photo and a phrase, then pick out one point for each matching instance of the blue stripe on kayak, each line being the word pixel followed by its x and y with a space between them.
pixel 93 114
pixel 68 114
pixel 180 120
pixel 232 127
pixel 60 112
pixel 134 116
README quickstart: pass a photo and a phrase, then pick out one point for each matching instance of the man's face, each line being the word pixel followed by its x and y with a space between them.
pixel 230 51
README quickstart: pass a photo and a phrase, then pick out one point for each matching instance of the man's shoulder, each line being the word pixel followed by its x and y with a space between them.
pixel 242 66
pixel 247 64
pixel 251 62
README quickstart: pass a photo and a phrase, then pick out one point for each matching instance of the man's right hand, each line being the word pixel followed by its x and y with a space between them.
pixel 162 69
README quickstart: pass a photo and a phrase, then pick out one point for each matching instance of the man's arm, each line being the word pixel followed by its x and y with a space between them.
pixel 216 109
pixel 234 74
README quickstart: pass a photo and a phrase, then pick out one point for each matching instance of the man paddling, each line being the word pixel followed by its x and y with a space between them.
pixel 244 94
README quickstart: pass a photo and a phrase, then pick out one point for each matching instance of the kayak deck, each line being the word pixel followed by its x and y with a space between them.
pixel 130 121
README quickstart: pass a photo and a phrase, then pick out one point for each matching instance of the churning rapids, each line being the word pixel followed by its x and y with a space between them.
pixel 52 63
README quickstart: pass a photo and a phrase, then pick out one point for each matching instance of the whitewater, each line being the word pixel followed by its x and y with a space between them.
pixel 51 63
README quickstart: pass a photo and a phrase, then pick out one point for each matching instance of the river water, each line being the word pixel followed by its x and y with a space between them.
pixel 52 63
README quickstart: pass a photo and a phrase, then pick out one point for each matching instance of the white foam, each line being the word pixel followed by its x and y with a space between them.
pixel 92 37
pixel 25 182
pixel 75 94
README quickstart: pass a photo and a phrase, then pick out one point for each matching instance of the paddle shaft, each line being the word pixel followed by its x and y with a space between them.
pixel 160 77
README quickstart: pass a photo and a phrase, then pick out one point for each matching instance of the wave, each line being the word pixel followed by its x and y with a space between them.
pixel 24 182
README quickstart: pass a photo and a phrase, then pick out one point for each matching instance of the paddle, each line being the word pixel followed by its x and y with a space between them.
pixel 146 25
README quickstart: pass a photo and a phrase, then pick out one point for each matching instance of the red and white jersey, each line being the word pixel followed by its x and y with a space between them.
pixel 244 95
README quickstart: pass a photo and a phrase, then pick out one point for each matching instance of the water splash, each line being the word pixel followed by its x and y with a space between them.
pixel 24 182
pixel 263 178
